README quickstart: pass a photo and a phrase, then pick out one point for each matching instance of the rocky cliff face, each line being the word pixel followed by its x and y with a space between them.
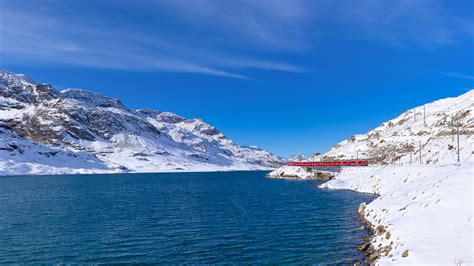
pixel 101 129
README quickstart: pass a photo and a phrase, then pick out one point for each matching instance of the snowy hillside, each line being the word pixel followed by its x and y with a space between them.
pixel 97 133
pixel 429 127
pixel 423 135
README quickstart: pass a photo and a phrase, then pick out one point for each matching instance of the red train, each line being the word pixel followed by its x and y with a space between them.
pixel 331 163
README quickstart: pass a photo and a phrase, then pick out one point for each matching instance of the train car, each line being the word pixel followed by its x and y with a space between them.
pixel 331 163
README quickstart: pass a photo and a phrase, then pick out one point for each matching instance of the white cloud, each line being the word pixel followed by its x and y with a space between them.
pixel 458 75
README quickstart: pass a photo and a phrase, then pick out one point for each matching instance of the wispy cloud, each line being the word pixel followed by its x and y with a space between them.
pixel 458 75
pixel 45 37
pixel 38 37
pixel 262 24
pixel 428 23
pixel 212 37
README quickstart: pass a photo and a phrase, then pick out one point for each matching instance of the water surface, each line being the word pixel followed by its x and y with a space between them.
pixel 176 218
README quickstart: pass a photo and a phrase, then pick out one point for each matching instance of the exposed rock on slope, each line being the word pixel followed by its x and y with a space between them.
pixel 101 130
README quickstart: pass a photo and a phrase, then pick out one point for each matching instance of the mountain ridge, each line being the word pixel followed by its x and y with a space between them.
pixel 77 121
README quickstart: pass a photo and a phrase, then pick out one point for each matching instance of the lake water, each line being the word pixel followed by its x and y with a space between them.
pixel 227 217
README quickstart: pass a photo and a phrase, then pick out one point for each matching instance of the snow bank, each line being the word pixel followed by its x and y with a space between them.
pixel 295 172
pixel 423 211
pixel 291 172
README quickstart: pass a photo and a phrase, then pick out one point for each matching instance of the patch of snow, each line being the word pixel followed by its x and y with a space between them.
pixel 291 172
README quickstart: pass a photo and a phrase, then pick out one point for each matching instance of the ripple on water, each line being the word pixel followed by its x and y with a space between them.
pixel 176 218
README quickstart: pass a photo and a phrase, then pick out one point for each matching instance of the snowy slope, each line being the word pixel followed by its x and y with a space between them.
pixel 22 156
pixel 87 124
pixel 396 140
pixel 430 133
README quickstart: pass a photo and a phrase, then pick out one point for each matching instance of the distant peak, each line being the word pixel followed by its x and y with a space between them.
pixel 6 72
pixel 91 98
pixel 198 119
pixel 16 78
pixel 166 117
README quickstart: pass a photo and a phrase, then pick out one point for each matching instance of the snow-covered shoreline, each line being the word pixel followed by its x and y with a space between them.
pixel 39 171
pixel 423 214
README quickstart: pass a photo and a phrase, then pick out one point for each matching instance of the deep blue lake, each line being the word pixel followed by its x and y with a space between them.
pixel 227 217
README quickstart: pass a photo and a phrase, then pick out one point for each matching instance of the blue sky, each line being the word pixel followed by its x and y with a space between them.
pixel 290 76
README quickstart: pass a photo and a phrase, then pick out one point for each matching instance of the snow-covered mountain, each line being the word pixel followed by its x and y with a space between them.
pixel 431 127
pixel 44 130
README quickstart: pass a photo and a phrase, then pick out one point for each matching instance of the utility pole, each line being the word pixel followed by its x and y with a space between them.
pixel 411 153
pixel 357 155
pixel 457 126
pixel 420 151
pixel 452 128
pixel 424 115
